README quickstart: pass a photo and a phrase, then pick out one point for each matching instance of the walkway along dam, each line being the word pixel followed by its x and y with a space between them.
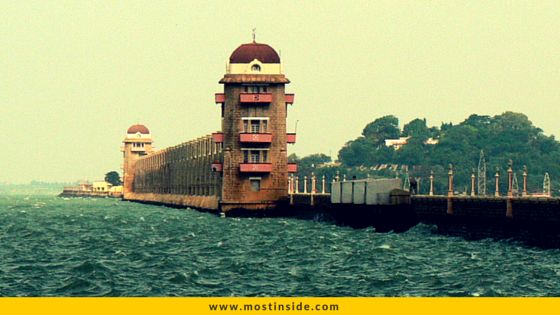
pixel 243 169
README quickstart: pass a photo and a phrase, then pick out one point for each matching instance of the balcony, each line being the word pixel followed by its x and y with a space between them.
pixel 218 137
pixel 291 138
pixel 258 98
pixel 292 168
pixel 217 167
pixel 220 98
pixel 255 167
pixel 255 137
pixel 137 149
pixel 289 98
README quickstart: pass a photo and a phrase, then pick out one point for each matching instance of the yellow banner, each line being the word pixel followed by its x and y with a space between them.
pixel 184 306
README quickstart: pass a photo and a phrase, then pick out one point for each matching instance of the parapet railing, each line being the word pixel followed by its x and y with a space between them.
pixel 512 189
pixel 308 185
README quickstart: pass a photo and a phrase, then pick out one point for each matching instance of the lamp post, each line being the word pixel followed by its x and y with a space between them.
pixel 431 183
pixel 472 183
pixel 524 193
pixel 497 176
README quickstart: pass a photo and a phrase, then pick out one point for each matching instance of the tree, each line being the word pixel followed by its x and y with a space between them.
pixel 113 178
pixel 386 127
pixel 502 137
pixel 446 126
pixel 316 159
pixel 310 163
pixel 478 121
pixel 414 153
pixel 293 158
pixel 354 152
pixel 417 129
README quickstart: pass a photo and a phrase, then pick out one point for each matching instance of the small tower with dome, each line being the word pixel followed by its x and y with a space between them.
pixel 137 143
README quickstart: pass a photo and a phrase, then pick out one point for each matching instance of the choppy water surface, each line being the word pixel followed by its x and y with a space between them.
pixel 104 247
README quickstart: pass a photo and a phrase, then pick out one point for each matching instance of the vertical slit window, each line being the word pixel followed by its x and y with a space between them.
pixel 255 156
pixel 264 156
pixel 255 126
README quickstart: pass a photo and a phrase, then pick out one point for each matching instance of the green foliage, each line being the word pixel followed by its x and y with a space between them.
pixel 386 127
pixel 113 178
pixel 310 163
pixel 502 137
pixel 417 129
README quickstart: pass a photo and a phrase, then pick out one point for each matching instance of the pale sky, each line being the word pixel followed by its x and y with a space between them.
pixel 74 75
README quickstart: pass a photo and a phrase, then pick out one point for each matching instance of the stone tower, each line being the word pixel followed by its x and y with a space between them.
pixel 254 110
pixel 137 143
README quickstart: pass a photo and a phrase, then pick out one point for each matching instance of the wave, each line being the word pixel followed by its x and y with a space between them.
pixel 81 248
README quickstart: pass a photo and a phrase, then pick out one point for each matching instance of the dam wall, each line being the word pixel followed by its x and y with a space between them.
pixel 181 175
pixel 250 173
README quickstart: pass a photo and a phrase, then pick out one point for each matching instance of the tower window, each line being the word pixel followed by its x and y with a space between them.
pixel 255 88
pixel 255 156
pixel 256 68
pixel 255 184
pixel 255 124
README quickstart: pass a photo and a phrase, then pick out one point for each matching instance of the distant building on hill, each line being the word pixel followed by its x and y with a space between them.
pixel 396 143
pixel 402 141
pixel 329 164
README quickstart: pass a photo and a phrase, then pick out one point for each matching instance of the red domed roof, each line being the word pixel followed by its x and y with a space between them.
pixel 248 52
pixel 138 128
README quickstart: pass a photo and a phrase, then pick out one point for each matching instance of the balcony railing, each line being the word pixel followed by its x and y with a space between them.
pixel 255 137
pixel 289 98
pixel 291 138
pixel 220 98
pixel 218 137
pixel 260 98
pixel 292 168
pixel 247 137
pixel 255 167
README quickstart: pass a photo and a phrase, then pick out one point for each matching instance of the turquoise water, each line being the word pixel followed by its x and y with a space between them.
pixel 105 247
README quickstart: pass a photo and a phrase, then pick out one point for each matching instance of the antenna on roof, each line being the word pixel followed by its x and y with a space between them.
pixel 254 35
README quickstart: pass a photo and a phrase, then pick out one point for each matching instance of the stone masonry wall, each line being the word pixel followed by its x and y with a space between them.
pixel 237 191
pixel 180 175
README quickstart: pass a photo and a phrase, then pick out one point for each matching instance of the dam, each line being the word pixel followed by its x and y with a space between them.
pixel 243 166
pixel 243 169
